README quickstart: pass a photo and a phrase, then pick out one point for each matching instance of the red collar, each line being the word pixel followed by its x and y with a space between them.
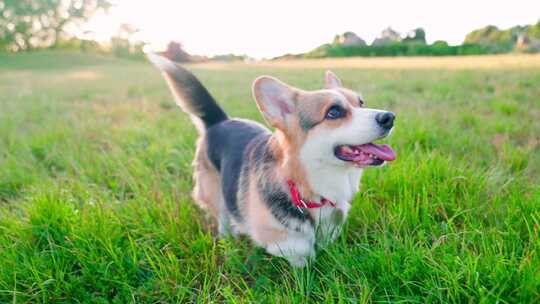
pixel 300 203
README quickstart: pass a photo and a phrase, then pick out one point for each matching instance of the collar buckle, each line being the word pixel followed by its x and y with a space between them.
pixel 300 203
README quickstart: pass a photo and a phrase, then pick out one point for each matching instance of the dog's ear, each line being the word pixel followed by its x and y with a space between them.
pixel 275 99
pixel 331 81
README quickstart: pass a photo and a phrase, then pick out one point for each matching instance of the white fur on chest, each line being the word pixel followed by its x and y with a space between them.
pixel 338 184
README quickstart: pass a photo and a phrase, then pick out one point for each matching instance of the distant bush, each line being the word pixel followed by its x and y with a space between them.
pixel 438 48
pixel 126 49
pixel 84 45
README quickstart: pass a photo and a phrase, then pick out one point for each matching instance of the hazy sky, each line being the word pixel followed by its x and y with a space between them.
pixel 274 27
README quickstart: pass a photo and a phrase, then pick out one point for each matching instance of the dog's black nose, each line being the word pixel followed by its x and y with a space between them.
pixel 385 120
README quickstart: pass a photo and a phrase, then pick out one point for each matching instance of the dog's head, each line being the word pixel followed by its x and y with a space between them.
pixel 330 127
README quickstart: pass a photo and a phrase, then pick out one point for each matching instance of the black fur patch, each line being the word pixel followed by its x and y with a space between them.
pixel 227 146
pixel 195 97
pixel 280 204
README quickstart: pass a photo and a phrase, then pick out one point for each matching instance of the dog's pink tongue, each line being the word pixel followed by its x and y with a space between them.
pixel 383 152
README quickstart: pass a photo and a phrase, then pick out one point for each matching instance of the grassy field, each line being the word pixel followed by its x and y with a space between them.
pixel 95 179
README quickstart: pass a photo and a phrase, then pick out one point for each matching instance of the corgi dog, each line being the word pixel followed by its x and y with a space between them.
pixel 290 189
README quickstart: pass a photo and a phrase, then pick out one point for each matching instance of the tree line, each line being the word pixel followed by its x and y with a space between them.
pixel 487 40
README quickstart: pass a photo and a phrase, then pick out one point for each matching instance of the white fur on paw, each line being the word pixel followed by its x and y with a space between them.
pixel 299 262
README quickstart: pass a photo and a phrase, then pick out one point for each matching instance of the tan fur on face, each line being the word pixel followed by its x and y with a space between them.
pixel 315 105
pixel 207 191
pixel 352 98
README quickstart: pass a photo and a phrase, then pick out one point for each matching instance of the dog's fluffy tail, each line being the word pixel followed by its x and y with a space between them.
pixel 189 93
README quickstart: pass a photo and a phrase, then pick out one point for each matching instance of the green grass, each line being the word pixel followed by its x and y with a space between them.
pixel 95 179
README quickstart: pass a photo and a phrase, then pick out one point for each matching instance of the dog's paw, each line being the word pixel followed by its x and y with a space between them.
pixel 298 262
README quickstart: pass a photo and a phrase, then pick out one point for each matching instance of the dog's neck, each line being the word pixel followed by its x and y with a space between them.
pixel 338 184
pixel 316 180
pixel 289 166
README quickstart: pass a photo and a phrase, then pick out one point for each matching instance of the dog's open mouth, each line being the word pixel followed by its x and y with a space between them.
pixel 365 155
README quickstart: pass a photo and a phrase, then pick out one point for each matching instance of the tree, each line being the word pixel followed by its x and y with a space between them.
pixel 388 36
pixel 494 39
pixel 349 39
pixel 416 35
pixel 27 24
pixel 534 30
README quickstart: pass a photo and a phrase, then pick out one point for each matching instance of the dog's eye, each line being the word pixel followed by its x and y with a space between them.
pixel 360 101
pixel 335 112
